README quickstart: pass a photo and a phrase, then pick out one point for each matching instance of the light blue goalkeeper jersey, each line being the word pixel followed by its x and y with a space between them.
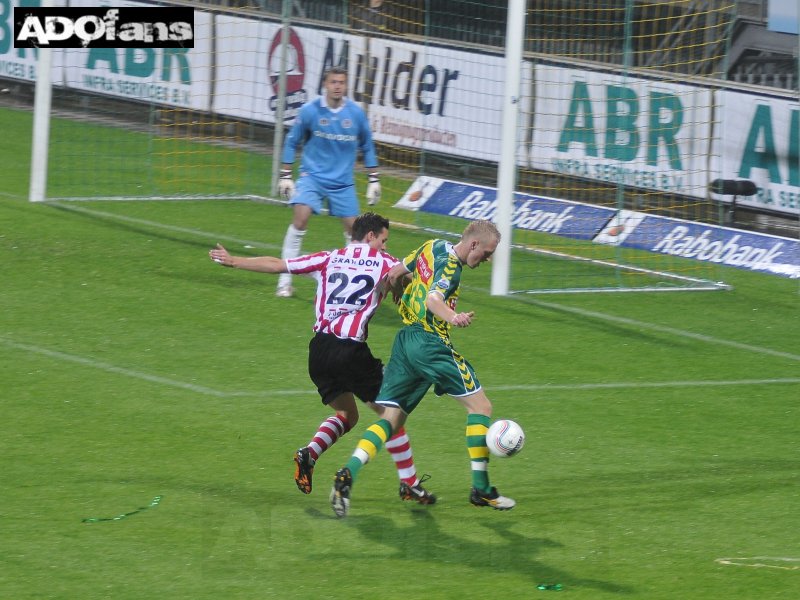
pixel 331 141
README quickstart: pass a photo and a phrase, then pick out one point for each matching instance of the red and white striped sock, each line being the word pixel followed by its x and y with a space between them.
pixel 399 447
pixel 330 430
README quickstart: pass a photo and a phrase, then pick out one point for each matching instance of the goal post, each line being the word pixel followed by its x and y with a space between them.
pixel 40 135
pixel 507 170
pixel 41 127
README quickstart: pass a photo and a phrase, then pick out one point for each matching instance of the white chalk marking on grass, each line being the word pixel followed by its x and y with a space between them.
pixel 200 389
pixel 96 364
pixel 578 311
pixel 784 563
pixel 582 312
pixel 643 384
pixel 670 330
pixel 587 386
pixel 157 225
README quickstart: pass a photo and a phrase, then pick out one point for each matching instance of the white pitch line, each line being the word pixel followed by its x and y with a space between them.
pixel 103 366
pixel 579 311
pixel 568 309
pixel 647 384
pixel 155 224
pixel 670 330
pixel 200 389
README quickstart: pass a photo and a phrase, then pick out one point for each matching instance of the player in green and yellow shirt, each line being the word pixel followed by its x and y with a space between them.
pixel 422 355
pixel 445 280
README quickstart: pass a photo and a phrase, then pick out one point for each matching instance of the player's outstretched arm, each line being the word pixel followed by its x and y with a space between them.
pixel 260 264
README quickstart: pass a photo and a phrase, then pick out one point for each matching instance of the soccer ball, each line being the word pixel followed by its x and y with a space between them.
pixel 505 438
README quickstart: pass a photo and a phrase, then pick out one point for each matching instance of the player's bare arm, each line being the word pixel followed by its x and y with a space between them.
pixel 436 304
pixel 260 264
pixel 398 287
pixel 397 274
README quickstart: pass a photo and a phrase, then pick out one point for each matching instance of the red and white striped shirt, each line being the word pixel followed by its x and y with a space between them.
pixel 348 287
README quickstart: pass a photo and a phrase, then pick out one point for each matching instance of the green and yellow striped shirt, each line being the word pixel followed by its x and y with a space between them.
pixel 435 268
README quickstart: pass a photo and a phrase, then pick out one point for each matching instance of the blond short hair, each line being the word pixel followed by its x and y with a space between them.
pixel 481 230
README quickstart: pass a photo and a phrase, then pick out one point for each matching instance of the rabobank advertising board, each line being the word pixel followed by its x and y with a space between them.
pixel 721 245
pixel 535 213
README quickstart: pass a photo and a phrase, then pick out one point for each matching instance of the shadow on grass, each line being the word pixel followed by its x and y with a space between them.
pixel 506 551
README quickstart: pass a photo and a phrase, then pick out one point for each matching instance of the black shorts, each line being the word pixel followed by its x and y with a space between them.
pixel 337 366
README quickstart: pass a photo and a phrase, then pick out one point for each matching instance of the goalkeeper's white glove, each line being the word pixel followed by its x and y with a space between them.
pixel 286 184
pixel 373 189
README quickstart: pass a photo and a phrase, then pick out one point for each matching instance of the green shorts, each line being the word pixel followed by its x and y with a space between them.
pixel 420 359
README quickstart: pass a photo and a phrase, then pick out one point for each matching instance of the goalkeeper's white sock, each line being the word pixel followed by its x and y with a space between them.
pixel 292 243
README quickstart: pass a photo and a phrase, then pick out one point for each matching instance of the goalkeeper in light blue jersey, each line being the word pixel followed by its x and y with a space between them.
pixel 332 131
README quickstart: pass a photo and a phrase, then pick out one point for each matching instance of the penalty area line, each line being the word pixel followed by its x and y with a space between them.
pixel 109 368
pixel 207 391
pixel 668 330
pixel 642 384
pixel 707 339
pixel 164 226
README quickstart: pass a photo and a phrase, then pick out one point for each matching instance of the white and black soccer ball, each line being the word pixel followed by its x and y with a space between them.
pixel 505 438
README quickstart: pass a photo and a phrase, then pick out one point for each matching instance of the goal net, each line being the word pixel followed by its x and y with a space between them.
pixel 625 118
pixel 615 124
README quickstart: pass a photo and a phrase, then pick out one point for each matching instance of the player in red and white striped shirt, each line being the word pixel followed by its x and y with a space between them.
pixel 350 286
pixel 351 283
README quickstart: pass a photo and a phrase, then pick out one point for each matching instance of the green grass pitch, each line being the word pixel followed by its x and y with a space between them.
pixel 661 461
